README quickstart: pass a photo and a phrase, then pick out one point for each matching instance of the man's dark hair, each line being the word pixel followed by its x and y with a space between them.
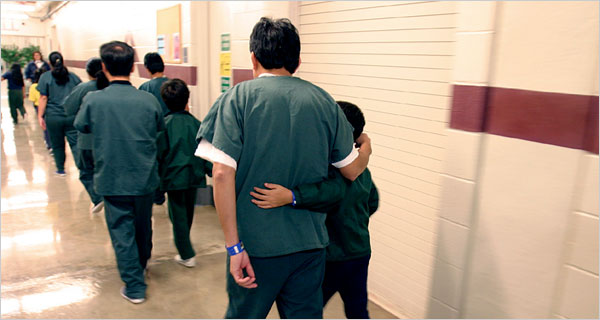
pixel 354 116
pixel 276 44
pixel 153 62
pixel 175 94
pixel 117 56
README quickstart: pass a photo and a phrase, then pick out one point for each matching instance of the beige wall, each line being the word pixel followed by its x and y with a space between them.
pixel 518 233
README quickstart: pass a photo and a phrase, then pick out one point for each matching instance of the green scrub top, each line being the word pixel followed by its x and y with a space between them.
pixel 348 205
pixel 178 168
pixel 72 104
pixel 125 123
pixel 56 93
pixel 281 130
pixel 153 86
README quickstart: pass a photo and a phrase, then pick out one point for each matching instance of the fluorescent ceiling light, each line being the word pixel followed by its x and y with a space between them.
pixel 18 7
pixel 20 16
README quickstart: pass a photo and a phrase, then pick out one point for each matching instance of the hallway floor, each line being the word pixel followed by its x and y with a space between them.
pixel 57 260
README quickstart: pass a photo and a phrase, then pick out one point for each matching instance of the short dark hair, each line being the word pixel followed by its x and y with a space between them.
pixel 175 94
pixel 153 62
pixel 354 116
pixel 117 56
pixel 276 44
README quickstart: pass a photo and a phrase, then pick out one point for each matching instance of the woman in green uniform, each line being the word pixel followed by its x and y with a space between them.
pixel 54 87
pixel 85 161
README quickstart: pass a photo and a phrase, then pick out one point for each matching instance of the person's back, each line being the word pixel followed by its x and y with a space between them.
pixel 155 65
pixel 57 93
pixel 290 124
pixel 124 122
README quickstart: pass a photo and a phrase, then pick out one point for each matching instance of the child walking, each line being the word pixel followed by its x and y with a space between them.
pixel 348 207
pixel 181 173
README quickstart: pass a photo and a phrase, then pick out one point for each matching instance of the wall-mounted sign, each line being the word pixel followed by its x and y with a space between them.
pixel 225 42
pixel 168 33
pixel 225 83
pixel 225 61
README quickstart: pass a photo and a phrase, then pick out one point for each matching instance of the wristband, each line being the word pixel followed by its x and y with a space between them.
pixel 235 249
pixel 293 199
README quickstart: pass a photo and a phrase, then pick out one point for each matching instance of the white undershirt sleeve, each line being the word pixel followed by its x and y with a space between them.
pixel 348 160
pixel 209 152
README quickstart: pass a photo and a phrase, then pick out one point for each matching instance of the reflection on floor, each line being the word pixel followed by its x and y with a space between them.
pixel 57 259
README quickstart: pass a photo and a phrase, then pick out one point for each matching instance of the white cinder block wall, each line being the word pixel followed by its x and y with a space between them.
pixel 394 60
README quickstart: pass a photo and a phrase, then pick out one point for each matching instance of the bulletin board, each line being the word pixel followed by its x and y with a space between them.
pixel 168 33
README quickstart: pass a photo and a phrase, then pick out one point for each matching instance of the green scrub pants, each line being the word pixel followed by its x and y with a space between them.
pixel 292 281
pixel 85 164
pixel 128 219
pixel 181 212
pixel 15 101
pixel 60 127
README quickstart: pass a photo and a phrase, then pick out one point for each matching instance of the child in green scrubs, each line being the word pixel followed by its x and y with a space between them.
pixel 181 173
pixel 348 207
pixel 85 161
pixel 155 65
pixel 283 128
pixel 16 91
pixel 125 123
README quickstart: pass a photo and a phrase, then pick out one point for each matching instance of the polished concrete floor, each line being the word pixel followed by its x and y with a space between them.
pixel 57 259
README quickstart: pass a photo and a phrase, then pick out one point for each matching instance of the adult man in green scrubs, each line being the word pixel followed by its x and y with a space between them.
pixel 124 122
pixel 282 129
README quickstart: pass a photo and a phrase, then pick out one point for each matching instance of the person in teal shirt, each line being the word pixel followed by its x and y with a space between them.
pixel 287 130
pixel 85 161
pixel 349 207
pixel 125 123
pixel 155 65
pixel 54 87
pixel 181 173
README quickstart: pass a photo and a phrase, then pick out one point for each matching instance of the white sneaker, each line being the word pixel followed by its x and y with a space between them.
pixel 132 300
pixel 97 208
pixel 190 263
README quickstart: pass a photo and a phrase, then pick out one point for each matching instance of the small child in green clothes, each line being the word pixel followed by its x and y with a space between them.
pixel 181 173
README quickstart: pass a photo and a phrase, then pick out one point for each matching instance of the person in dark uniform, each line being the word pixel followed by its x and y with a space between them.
pixel 16 91
pixel 349 207
pixel 181 173
pixel 85 161
pixel 125 123
pixel 280 128
pixel 54 87
pixel 155 65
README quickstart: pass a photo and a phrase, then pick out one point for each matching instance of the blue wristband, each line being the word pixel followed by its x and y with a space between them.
pixel 293 199
pixel 235 249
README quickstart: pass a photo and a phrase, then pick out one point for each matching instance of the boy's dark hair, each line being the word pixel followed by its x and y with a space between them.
pixel 59 71
pixel 38 73
pixel 276 44
pixel 117 56
pixel 354 116
pixel 16 74
pixel 153 62
pixel 175 94
pixel 93 67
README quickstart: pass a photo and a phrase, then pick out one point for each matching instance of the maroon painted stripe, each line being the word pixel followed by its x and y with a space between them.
pixel 75 63
pixel 567 120
pixel 241 75
pixel 186 73
pixel 468 108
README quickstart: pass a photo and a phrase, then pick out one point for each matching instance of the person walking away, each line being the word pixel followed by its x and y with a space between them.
pixel 85 161
pixel 54 87
pixel 16 92
pixel 125 123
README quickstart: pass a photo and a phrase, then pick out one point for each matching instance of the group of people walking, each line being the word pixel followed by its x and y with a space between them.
pixel 289 166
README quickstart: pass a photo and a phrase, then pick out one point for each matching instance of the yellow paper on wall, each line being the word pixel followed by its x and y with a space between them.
pixel 225 59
